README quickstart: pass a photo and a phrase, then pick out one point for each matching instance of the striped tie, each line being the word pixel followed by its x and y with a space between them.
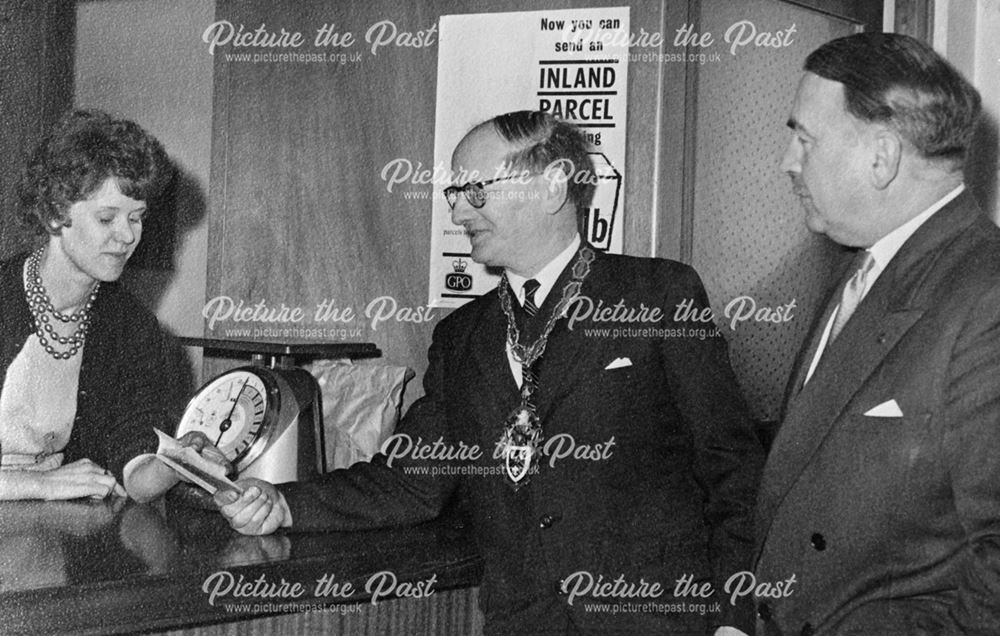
pixel 530 287
pixel 529 374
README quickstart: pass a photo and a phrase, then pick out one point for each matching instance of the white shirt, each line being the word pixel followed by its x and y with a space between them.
pixel 882 253
pixel 546 278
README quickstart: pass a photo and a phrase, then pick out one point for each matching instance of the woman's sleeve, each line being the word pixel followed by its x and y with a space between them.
pixel 141 379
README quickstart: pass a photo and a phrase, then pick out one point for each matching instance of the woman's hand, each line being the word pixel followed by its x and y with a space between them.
pixel 151 478
pixel 259 510
pixel 82 478
pixel 205 448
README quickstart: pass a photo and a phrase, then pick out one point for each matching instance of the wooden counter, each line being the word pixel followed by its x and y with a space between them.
pixel 117 566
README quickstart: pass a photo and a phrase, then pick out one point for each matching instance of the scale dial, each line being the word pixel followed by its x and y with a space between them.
pixel 236 412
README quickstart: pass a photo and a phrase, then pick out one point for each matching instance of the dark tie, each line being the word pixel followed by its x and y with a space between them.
pixel 530 287
pixel 529 375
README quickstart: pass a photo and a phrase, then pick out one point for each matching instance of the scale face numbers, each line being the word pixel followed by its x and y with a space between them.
pixel 235 411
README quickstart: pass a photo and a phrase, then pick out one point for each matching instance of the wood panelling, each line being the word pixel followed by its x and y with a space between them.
pixel 865 12
pixel 160 76
pixel 299 213
pixel 36 87
pixel 449 613
pixel 916 18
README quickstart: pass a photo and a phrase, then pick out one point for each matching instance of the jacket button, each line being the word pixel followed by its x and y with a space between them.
pixel 764 612
pixel 818 542
pixel 807 630
pixel 546 522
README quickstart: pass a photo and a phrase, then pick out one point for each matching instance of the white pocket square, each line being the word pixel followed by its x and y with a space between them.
pixel 618 363
pixel 885 409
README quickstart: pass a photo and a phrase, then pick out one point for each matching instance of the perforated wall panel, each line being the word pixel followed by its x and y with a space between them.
pixel 749 237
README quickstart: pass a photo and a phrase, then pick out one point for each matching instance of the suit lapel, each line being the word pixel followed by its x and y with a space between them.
pixel 895 303
pixel 560 362
pixel 844 368
pixel 498 395
pixel 804 360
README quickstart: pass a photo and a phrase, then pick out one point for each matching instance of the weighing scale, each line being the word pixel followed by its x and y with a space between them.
pixel 267 417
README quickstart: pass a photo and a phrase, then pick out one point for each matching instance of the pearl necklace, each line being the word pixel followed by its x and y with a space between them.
pixel 41 309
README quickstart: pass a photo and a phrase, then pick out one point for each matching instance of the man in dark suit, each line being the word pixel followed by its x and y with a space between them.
pixel 881 493
pixel 608 464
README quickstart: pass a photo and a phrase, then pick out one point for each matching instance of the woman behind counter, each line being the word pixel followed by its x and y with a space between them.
pixel 86 370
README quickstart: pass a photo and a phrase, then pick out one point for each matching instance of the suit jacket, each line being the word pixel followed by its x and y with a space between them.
pixel 891 525
pixel 671 496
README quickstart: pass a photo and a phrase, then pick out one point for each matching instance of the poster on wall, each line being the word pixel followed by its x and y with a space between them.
pixel 571 63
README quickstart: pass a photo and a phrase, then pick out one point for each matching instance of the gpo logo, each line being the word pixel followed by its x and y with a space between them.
pixel 458 280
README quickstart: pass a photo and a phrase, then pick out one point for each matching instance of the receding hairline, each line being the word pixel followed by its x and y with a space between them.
pixel 474 131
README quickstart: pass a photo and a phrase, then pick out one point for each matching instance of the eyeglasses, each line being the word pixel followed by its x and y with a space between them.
pixel 474 192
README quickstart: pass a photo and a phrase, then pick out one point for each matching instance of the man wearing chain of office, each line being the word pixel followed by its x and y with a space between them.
pixel 670 493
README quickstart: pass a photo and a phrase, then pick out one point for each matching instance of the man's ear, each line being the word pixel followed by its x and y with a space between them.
pixel 888 147
pixel 555 190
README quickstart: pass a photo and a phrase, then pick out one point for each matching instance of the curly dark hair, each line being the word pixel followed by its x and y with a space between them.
pixel 82 151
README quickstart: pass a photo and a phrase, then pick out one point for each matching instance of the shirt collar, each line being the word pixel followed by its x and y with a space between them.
pixel 887 246
pixel 547 276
